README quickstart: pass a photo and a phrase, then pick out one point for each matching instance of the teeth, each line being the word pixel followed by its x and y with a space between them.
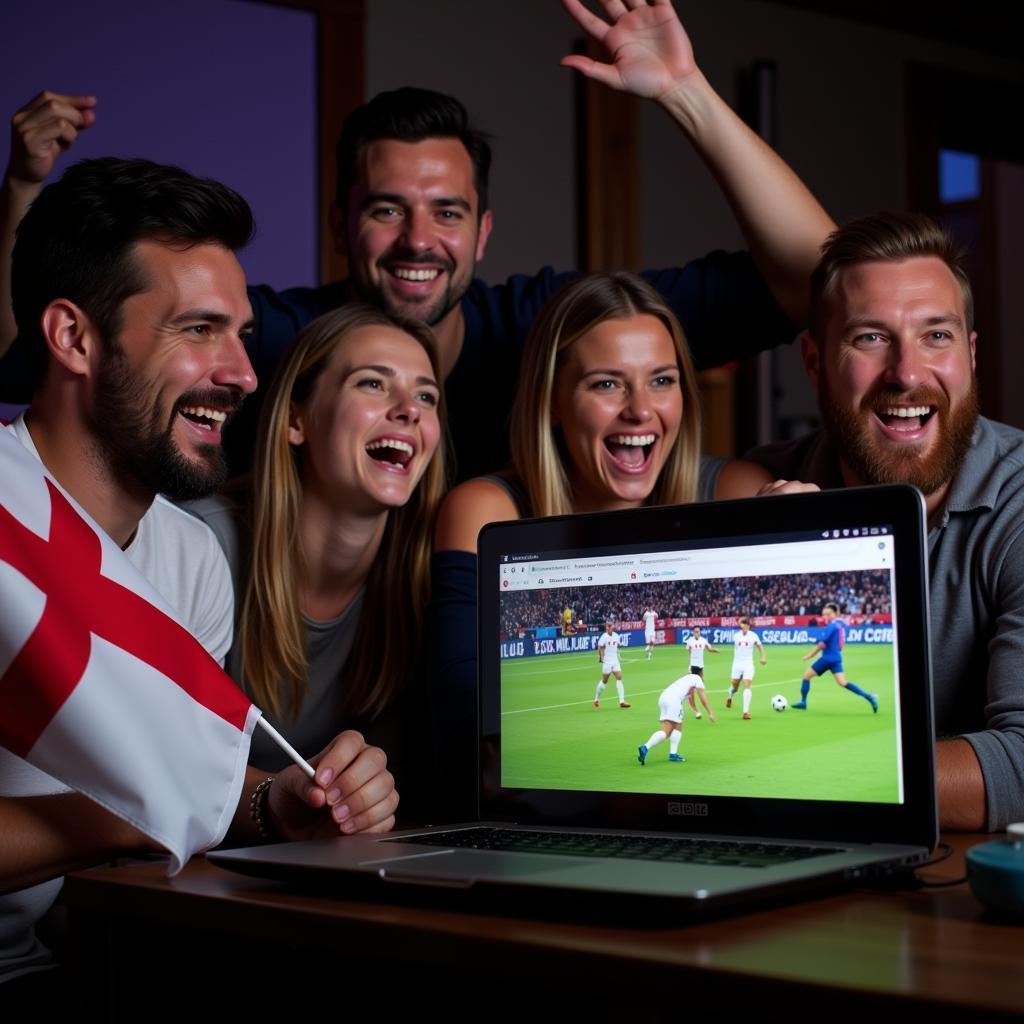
pixel 415 275
pixel 203 413
pixel 637 440
pixel 391 442
pixel 905 412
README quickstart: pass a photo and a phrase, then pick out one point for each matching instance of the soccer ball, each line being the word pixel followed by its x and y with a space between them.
pixel 779 703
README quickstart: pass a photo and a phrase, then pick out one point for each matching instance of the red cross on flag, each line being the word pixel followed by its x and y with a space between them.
pixel 100 686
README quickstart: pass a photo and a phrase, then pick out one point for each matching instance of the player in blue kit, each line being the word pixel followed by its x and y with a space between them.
pixel 830 647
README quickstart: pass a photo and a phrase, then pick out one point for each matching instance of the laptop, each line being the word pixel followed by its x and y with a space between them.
pixel 582 801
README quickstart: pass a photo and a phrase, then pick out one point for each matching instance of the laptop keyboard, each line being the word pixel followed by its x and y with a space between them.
pixel 676 849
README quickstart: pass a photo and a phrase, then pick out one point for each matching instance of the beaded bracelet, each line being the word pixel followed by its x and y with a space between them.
pixel 258 810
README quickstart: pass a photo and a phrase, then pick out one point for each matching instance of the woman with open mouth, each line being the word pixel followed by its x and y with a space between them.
pixel 606 417
pixel 329 540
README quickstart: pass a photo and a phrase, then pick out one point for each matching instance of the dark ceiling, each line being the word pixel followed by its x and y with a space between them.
pixel 981 24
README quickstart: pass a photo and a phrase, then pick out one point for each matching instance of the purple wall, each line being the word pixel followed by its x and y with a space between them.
pixel 224 88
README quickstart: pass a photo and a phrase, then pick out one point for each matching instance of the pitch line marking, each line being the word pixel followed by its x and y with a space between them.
pixel 642 693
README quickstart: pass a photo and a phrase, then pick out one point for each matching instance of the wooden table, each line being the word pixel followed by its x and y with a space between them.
pixel 263 947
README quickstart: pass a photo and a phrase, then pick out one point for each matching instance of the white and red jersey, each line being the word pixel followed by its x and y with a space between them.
pixel 680 689
pixel 650 621
pixel 696 645
pixel 745 644
pixel 673 697
pixel 608 644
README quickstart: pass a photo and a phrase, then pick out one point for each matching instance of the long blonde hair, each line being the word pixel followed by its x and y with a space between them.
pixel 576 309
pixel 271 637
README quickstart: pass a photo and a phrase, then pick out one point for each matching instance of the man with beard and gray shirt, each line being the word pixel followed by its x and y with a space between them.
pixel 890 350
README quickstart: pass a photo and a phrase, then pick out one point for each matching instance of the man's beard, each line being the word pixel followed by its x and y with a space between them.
pixel 137 445
pixel 876 462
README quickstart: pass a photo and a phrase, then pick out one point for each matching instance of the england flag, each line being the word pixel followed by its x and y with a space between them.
pixel 100 686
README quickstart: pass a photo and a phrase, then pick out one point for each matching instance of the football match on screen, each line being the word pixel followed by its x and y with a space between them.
pixel 781 685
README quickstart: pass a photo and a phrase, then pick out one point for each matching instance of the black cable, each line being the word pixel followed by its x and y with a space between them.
pixel 904 877
pixel 945 852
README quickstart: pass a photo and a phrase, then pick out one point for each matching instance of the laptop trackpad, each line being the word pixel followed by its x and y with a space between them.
pixel 452 867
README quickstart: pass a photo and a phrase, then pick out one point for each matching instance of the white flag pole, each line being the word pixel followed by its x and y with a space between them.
pixel 286 747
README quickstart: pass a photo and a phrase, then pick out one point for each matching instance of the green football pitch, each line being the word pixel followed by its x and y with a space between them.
pixel 554 738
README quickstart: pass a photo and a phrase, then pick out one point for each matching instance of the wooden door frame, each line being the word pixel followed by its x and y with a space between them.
pixel 946 109
pixel 340 88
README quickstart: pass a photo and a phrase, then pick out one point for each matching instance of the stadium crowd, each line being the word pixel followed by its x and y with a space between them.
pixel 857 593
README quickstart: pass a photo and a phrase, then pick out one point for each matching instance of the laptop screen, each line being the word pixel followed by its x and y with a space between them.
pixel 730 655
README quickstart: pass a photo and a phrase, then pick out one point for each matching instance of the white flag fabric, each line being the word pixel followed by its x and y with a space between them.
pixel 100 685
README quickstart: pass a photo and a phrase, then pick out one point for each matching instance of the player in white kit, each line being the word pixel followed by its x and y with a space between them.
pixel 743 664
pixel 650 618
pixel 670 712
pixel 608 655
pixel 697 645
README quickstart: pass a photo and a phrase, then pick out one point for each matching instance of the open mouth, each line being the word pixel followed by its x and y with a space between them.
pixel 204 417
pixel 391 451
pixel 633 451
pixel 905 418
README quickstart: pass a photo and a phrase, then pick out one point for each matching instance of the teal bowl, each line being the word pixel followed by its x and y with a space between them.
pixel 996 873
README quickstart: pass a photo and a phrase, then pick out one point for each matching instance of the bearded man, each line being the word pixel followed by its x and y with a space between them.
pixel 133 307
pixel 891 351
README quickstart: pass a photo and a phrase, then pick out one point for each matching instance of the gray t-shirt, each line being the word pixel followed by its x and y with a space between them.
pixel 320 718
pixel 322 714
pixel 976 580
pixel 330 642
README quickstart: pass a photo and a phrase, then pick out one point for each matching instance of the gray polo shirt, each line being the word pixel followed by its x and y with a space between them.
pixel 976 579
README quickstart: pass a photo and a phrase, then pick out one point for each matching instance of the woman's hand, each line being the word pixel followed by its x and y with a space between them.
pixel 786 487
pixel 352 792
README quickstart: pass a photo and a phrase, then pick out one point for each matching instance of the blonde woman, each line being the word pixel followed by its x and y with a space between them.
pixel 606 417
pixel 330 542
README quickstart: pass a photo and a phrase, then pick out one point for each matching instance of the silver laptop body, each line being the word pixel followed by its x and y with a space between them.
pixel 788 801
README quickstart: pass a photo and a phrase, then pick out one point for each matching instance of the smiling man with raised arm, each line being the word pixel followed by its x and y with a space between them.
pixel 413 218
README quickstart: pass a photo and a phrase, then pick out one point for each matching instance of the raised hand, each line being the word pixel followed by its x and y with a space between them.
pixel 42 130
pixel 649 48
